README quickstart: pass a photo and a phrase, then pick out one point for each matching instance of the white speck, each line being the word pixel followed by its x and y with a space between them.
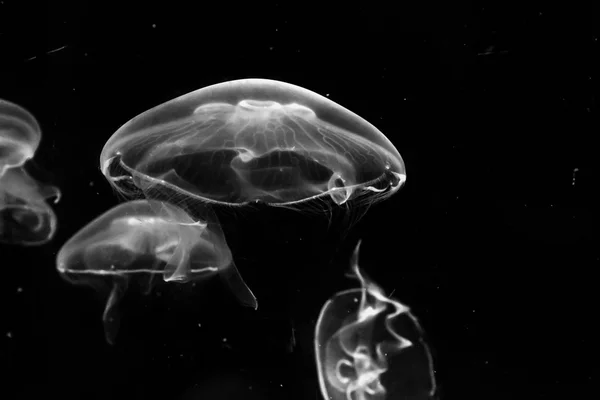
pixel 224 340
pixel 271 48
pixel 57 49
pixel 154 25
pixel 473 310
pixel 199 325
pixel 405 99
pixel 276 30
pixel 19 290
pixel 327 94
pixel 575 170
pixel 9 335
pixel 540 14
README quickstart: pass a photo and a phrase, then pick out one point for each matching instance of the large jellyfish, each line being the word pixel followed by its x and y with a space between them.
pixel 254 140
pixel 371 347
pixel 25 217
pixel 143 239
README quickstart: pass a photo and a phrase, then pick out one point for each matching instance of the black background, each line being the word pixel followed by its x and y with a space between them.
pixel 493 242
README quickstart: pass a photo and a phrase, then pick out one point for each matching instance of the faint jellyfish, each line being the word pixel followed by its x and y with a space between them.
pixel 25 217
pixel 141 239
pixel 255 140
pixel 369 346
pixel 225 384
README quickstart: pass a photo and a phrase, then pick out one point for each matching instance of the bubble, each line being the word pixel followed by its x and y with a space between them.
pixel 369 346
pixel 254 141
pixel 25 217
pixel 140 240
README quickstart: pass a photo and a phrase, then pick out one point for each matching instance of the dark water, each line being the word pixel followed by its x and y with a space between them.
pixel 493 242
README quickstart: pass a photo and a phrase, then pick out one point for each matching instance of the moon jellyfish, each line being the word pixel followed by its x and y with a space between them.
pixel 25 217
pixel 254 140
pixel 139 240
pixel 369 346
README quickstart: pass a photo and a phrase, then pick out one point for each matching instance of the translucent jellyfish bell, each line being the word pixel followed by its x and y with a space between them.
pixel 254 140
pixel 25 217
pixel 369 346
pixel 140 240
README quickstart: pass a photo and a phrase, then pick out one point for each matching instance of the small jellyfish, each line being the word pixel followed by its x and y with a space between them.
pixel 25 217
pixel 369 346
pixel 143 239
pixel 254 140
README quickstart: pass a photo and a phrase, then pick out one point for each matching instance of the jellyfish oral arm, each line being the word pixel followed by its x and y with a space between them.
pixel 233 280
pixel 111 317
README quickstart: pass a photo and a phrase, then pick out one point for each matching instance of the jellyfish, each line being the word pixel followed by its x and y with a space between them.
pixel 139 240
pixel 254 141
pixel 25 216
pixel 369 346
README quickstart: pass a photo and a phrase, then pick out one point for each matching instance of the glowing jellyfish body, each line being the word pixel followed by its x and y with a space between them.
pixel 254 140
pixel 25 217
pixel 369 346
pixel 141 239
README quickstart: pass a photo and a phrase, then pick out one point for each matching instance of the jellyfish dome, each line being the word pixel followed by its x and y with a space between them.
pixel 20 136
pixel 253 140
pixel 369 346
pixel 25 216
pixel 138 240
